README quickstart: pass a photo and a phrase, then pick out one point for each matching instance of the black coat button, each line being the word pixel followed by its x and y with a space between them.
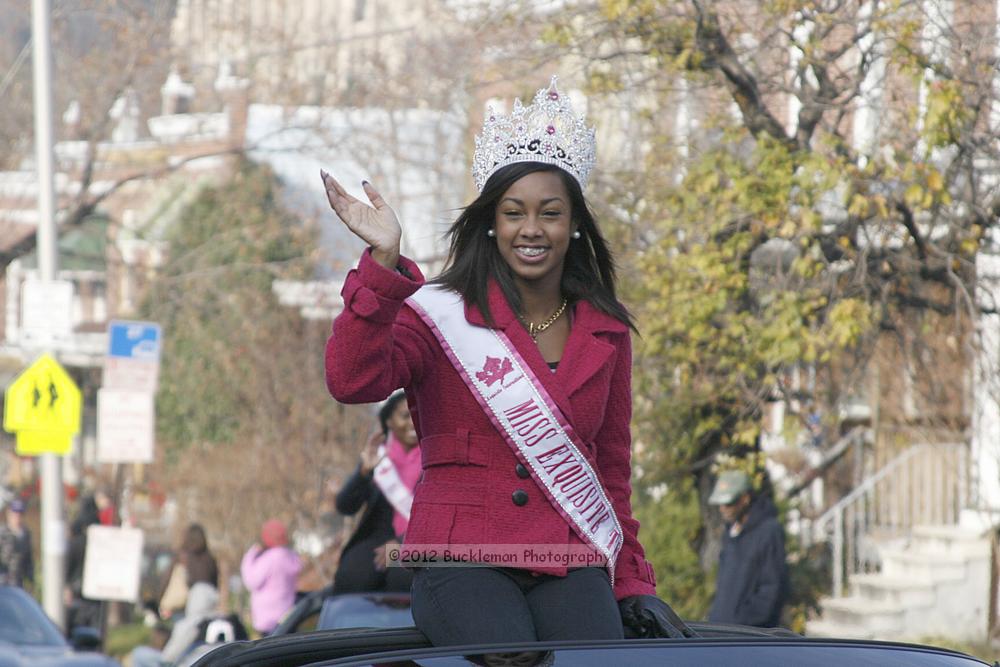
pixel 520 497
pixel 521 471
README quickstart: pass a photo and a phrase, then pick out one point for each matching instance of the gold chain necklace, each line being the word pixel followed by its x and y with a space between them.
pixel 535 329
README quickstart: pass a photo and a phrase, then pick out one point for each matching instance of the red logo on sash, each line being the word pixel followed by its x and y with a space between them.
pixel 494 370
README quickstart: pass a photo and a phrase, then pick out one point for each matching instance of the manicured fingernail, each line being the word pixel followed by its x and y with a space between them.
pixel 365 183
pixel 323 174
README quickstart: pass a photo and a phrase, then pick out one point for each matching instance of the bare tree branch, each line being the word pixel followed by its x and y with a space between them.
pixel 741 83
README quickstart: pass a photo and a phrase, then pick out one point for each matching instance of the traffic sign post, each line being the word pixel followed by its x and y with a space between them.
pixel 53 527
pixel 42 407
pixel 46 312
pixel 134 340
pixel 111 565
pixel 124 426
pixel 133 359
pixel 125 406
pixel 36 443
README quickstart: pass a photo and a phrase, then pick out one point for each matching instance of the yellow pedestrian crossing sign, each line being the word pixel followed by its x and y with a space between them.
pixel 42 407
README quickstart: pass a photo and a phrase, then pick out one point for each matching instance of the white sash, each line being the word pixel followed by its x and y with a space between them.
pixel 526 416
pixel 387 479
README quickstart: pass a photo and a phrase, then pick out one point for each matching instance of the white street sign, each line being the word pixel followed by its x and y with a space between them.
pixel 130 374
pixel 125 422
pixel 133 358
pixel 111 566
pixel 46 312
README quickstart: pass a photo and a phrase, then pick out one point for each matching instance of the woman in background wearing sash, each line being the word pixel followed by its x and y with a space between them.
pixel 362 567
pixel 528 261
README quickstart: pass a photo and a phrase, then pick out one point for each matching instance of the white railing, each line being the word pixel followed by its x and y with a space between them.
pixel 926 484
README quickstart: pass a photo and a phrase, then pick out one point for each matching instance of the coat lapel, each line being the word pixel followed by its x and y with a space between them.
pixel 586 353
pixel 584 356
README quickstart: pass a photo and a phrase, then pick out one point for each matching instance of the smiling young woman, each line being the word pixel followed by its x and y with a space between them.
pixel 516 363
pixel 533 226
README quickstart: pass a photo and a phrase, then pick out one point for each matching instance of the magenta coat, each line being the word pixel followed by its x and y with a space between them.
pixel 470 475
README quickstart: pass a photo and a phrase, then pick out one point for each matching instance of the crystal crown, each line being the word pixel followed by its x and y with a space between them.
pixel 546 131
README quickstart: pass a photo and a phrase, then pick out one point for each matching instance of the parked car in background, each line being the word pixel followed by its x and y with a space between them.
pixel 717 645
pixel 322 610
pixel 29 637
pixel 381 610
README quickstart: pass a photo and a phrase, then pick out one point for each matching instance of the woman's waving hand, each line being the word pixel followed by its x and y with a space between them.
pixel 376 224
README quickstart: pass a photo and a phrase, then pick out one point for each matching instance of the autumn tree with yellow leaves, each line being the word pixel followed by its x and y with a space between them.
pixel 813 185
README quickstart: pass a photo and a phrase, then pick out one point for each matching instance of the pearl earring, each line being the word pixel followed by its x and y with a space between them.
pixel 491 233
pixel 576 234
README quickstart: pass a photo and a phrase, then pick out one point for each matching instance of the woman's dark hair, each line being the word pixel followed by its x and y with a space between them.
pixel 194 539
pixel 588 270
pixel 385 412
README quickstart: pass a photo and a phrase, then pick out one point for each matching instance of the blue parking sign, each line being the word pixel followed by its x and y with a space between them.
pixel 134 340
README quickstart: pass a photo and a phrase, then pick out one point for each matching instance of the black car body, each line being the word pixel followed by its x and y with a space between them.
pixel 29 637
pixel 717 645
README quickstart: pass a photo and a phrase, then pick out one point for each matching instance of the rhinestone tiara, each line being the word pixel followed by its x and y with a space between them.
pixel 546 131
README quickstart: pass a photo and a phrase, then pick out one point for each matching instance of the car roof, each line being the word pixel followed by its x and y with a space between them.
pixel 53 635
pixel 331 645
pixel 304 648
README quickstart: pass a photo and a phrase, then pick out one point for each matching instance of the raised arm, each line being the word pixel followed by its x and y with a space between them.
pixel 358 487
pixel 372 350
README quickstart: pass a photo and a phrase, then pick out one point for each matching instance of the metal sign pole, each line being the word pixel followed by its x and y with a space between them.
pixel 53 528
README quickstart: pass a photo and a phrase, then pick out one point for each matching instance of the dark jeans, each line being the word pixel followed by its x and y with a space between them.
pixel 479 605
pixel 356 572
pixel 83 612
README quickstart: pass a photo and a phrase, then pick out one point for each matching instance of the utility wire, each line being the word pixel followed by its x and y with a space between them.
pixel 12 72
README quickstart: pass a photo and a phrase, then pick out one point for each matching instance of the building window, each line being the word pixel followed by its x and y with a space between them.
pixel 359 10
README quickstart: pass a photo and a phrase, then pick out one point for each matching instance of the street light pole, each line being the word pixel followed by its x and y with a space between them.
pixel 53 528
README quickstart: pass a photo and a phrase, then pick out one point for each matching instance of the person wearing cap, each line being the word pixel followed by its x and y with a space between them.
pixel 270 571
pixel 752 581
pixel 16 559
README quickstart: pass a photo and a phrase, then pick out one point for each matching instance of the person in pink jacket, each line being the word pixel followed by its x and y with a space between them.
pixel 516 362
pixel 270 571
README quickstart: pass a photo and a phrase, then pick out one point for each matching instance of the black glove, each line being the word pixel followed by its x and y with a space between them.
pixel 647 616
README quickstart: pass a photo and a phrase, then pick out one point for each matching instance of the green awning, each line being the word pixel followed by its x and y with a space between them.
pixel 81 248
